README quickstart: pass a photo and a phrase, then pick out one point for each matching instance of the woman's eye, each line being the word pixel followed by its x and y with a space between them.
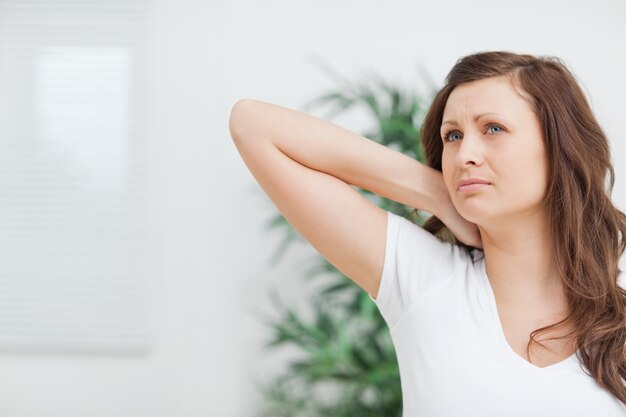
pixel 490 126
pixel 448 135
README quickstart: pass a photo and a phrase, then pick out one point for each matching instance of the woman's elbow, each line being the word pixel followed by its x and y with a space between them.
pixel 237 120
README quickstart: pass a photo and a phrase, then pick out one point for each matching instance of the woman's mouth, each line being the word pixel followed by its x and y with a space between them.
pixel 472 187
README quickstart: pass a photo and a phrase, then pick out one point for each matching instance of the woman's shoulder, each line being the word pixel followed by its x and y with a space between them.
pixel 420 240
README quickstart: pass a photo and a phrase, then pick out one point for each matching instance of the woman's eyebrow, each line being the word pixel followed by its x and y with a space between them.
pixel 478 116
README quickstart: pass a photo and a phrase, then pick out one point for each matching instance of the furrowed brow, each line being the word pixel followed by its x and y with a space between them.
pixel 478 116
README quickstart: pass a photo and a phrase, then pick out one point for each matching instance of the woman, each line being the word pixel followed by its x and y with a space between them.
pixel 516 170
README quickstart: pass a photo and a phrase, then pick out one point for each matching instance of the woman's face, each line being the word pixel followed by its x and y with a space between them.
pixel 504 147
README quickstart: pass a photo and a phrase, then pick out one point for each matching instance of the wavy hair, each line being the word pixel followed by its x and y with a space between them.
pixel 589 230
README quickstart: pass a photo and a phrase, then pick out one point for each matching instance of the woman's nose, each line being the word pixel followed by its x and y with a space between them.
pixel 469 151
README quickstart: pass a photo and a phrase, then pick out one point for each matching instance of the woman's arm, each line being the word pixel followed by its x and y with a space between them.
pixel 326 147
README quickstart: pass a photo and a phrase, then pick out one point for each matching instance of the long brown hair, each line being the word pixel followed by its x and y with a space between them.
pixel 589 230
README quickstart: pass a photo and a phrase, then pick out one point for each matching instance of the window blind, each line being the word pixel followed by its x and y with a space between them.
pixel 75 208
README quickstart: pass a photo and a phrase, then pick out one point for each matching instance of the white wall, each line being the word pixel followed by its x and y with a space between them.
pixel 211 266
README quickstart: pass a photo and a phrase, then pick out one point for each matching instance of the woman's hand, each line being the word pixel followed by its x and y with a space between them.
pixel 464 230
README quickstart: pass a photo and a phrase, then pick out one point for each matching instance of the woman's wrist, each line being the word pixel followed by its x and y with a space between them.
pixel 439 203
